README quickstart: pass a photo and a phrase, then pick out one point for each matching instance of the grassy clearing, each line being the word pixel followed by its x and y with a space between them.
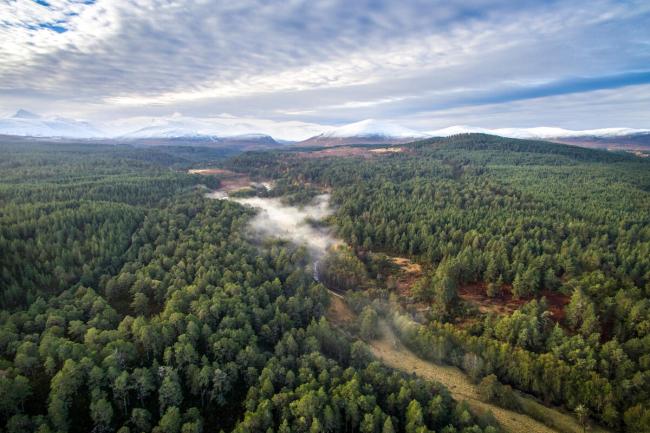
pixel 391 352
pixel 338 311
pixel 537 418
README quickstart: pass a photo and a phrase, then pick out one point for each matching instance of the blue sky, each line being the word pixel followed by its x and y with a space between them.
pixel 423 64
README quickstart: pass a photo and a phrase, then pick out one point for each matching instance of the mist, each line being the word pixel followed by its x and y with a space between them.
pixel 278 220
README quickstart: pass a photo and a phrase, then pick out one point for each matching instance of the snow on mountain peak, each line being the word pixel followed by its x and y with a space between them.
pixel 458 129
pixel 24 114
pixel 372 128
pixel 540 132
pixel 178 126
pixel 25 123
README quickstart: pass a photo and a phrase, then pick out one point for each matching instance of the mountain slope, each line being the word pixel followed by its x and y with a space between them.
pixel 364 132
pixel 185 130
pixel 504 149
pixel 540 132
pixel 242 142
pixel 603 138
pixel 25 123
pixel 636 141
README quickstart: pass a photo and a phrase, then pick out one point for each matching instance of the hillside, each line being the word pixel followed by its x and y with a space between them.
pixel 504 148
pixel 25 123
pixel 369 131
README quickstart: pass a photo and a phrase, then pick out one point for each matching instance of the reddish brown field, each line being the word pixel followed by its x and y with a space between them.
pixel 506 303
pixel 388 150
pixel 212 171
pixel 409 272
pixel 235 183
pixel 230 180
pixel 342 151
pixel 347 151
pixel 338 311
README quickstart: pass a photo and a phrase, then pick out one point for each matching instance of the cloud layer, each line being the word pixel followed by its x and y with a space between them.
pixel 329 62
pixel 277 220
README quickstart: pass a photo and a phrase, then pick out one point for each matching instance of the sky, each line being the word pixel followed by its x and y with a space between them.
pixel 292 66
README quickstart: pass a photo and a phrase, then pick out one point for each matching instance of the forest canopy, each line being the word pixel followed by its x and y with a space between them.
pixel 521 220
pixel 133 303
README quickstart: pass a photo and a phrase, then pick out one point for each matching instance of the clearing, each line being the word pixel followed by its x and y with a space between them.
pixel 338 312
pixel 409 272
pixel 505 303
pixel 394 354
pixel 349 151
pixel 230 180
pixel 388 150
pixel 211 171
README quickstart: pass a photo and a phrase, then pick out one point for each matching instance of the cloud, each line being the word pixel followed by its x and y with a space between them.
pixel 277 220
pixel 626 107
pixel 330 61
pixel 220 125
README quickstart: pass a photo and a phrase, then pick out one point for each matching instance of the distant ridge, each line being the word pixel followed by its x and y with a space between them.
pixel 27 124
pixel 243 142
pixel 604 138
pixel 369 131
pixel 24 114
pixel 540 132
pixel 217 132
pixel 507 145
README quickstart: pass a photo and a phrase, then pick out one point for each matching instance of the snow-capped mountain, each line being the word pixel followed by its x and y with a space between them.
pixel 373 128
pixel 226 130
pixel 542 132
pixel 376 132
pixel 365 131
pixel 458 129
pixel 178 127
pixel 25 123
pixel 195 129
pixel 24 114
pixel 177 131
pixel 173 129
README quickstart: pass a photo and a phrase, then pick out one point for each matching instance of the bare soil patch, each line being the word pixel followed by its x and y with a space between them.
pixel 409 272
pixel 338 311
pixel 342 151
pixel 235 183
pixel 388 150
pixel 349 151
pixel 212 171
pixel 230 180
pixel 506 303
pixel 640 153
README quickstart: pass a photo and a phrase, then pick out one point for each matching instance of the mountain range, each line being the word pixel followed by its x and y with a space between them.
pixel 25 123
pixel 365 132
pixel 177 130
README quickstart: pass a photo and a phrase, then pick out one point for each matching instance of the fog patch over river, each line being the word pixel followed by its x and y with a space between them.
pixel 278 220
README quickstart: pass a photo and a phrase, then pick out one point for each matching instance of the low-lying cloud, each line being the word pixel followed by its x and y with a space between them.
pixel 277 220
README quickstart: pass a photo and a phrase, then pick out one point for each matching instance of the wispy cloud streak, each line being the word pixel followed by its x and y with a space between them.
pixel 331 61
